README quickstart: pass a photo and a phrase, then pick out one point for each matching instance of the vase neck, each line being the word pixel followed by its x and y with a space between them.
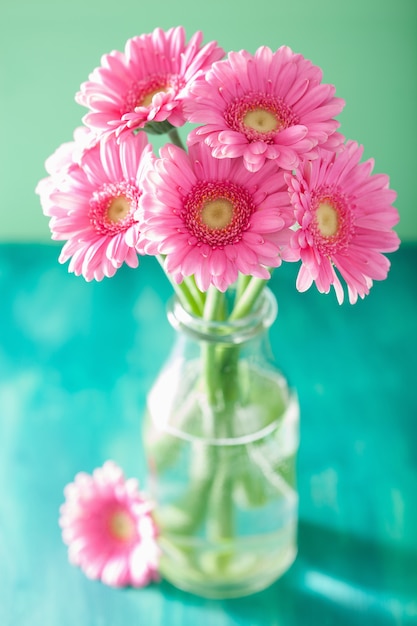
pixel 225 331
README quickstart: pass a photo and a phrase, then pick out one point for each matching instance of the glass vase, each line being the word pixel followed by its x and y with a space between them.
pixel 221 436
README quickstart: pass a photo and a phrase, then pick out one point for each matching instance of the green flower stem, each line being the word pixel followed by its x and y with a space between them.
pixel 190 512
pixel 213 305
pixel 248 298
pixel 175 138
pixel 221 525
pixel 242 282
pixel 198 296
pixel 182 291
pixel 221 379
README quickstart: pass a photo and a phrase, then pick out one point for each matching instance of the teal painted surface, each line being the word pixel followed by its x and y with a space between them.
pixel 76 360
pixel 367 48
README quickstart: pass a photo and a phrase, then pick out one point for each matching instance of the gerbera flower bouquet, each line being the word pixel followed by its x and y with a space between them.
pixel 264 177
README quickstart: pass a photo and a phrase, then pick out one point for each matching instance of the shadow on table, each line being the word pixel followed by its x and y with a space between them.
pixel 336 580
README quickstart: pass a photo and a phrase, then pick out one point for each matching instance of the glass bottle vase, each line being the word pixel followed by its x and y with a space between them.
pixel 221 437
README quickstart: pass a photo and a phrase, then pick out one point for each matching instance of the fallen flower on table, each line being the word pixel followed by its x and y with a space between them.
pixel 108 527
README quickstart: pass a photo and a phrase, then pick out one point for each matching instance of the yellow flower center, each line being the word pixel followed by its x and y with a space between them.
pixel 146 100
pixel 327 219
pixel 217 214
pixel 118 209
pixel 261 120
pixel 122 526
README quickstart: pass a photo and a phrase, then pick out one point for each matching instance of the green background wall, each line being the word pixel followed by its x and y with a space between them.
pixel 367 48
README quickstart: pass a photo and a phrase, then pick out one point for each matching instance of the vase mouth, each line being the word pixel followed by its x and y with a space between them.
pixel 228 331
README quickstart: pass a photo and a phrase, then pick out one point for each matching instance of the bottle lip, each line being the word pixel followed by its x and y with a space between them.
pixel 231 332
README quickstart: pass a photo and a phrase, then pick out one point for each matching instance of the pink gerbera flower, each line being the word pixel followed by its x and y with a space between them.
pixel 92 200
pixel 106 523
pixel 345 219
pixel 213 218
pixel 266 106
pixel 65 158
pixel 147 82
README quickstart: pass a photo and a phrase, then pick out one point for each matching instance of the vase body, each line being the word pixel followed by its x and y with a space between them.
pixel 221 437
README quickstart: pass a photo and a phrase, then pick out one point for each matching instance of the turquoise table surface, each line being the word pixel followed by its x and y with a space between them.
pixel 76 361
